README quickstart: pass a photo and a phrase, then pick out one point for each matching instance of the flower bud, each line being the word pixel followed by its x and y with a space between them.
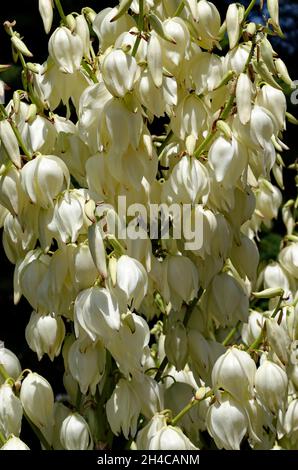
pixel 10 363
pixel 227 423
pixel 20 46
pixel 235 371
pixel 176 347
pixel 46 12
pixel 120 72
pixel 38 400
pixel 154 58
pixel 123 409
pixel 243 97
pixel 14 443
pixel 66 49
pixel 283 72
pixel 11 411
pixel 45 334
pixel 271 384
pixel 235 15
pixel 97 249
pixel 75 433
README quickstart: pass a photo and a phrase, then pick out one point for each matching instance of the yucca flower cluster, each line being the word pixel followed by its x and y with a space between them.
pixel 174 341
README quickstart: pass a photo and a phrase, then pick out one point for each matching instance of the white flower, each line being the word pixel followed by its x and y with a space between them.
pixel 96 311
pixel 131 280
pixel 120 72
pixel 11 411
pixel 66 49
pixel 227 423
pixel 234 372
pixel 75 433
pixel 43 178
pixel 38 400
pixel 271 384
pixel 14 443
pixel 123 409
pixel 45 334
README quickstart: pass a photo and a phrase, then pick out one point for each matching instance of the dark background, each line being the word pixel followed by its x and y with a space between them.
pixel 15 318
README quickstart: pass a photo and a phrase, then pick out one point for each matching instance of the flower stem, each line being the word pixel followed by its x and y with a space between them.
pixel 198 152
pixel 89 71
pixel 179 9
pixel 188 407
pixel 140 27
pixel 231 334
pixel 60 11
pixel 249 8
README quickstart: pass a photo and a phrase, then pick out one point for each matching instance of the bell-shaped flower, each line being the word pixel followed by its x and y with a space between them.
pixel 228 159
pixel 176 345
pixel 226 300
pixel 131 280
pixel 86 362
pixel 234 372
pixel 120 72
pixel 38 401
pixel 11 411
pixel 128 345
pixel 12 195
pixel 180 280
pixel 271 384
pixel 66 49
pixel 75 433
pixel 227 423
pixel 107 31
pixel 43 178
pixel 10 363
pixel 150 394
pixel 96 311
pixel 123 409
pixel 45 334
pixel 288 258
pixel 188 182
